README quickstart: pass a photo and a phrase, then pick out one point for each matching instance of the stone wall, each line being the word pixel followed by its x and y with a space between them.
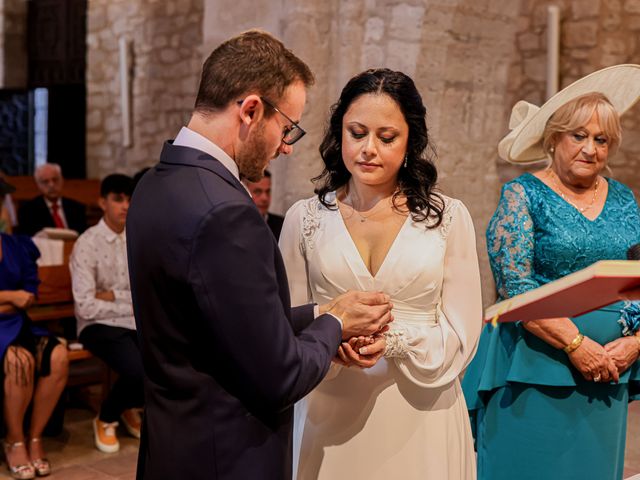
pixel 13 44
pixel 166 38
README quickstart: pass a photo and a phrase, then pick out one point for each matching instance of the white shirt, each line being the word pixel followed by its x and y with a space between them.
pixel 99 263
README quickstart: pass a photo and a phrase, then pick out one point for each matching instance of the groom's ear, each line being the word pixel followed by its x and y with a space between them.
pixel 251 109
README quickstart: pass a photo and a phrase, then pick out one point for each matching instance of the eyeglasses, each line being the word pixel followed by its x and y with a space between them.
pixel 293 133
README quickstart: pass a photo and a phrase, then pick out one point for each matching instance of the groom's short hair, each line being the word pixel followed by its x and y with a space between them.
pixel 252 62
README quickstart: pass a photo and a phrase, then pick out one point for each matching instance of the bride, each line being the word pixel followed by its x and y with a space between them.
pixel 377 225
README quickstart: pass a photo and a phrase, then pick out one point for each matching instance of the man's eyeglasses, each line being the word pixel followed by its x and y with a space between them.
pixel 293 133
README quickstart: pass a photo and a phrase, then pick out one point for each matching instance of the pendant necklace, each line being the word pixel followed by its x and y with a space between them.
pixel 372 212
pixel 566 199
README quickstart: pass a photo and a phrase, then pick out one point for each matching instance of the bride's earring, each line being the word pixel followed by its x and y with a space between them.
pixel 405 161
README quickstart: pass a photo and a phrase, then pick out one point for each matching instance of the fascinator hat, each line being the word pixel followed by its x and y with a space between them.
pixel 523 144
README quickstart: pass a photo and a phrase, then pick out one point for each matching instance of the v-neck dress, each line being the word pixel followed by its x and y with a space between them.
pixel 528 404
pixel 405 417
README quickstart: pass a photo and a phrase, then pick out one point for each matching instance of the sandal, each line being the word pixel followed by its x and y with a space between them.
pixel 42 466
pixel 25 471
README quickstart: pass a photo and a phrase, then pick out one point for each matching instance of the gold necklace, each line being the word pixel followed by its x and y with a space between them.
pixel 372 212
pixel 566 199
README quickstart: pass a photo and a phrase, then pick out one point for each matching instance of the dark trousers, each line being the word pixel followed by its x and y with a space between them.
pixel 118 348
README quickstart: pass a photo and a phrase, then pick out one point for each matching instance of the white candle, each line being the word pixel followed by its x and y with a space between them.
pixel 553 49
pixel 125 97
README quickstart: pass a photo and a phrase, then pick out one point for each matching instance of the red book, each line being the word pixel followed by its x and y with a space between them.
pixel 596 286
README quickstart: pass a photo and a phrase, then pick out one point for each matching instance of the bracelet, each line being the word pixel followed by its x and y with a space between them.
pixel 575 343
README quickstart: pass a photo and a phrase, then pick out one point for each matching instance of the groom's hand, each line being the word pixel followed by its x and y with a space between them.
pixel 362 313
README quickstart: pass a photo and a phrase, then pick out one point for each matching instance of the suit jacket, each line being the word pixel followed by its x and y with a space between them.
pixel 275 223
pixel 34 215
pixel 225 356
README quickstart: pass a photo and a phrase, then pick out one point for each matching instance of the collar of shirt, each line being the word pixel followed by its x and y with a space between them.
pixel 109 234
pixel 188 138
pixel 50 203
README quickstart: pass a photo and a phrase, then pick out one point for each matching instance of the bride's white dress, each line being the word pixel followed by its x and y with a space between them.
pixel 406 417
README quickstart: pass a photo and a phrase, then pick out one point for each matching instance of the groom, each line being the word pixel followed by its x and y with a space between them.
pixel 225 356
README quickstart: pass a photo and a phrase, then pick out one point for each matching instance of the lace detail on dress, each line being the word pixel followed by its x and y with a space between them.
pixel 310 223
pixel 447 217
pixel 510 243
pixel 535 237
pixel 396 344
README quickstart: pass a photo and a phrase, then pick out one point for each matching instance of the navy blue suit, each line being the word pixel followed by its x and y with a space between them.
pixel 225 356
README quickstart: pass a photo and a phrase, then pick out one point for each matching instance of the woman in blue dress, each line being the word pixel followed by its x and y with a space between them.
pixel 549 398
pixel 35 364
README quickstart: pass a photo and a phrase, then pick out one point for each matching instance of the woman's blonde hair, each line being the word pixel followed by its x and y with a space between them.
pixel 576 114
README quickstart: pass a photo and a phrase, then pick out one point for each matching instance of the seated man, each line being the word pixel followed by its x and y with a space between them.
pixel 261 194
pixel 50 209
pixel 106 327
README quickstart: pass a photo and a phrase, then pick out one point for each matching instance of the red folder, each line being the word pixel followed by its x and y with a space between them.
pixel 596 286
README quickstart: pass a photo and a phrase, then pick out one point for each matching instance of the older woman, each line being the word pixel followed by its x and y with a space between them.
pixel 548 398
pixel 378 225
pixel 34 364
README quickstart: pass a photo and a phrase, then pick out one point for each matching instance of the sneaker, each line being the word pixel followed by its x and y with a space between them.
pixel 105 436
pixel 132 421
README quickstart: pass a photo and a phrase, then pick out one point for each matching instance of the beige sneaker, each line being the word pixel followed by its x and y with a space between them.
pixel 132 421
pixel 105 436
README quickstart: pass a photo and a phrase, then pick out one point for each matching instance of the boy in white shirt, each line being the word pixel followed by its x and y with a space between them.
pixel 106 326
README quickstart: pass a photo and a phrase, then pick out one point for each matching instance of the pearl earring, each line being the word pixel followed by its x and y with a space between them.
pixel 552 149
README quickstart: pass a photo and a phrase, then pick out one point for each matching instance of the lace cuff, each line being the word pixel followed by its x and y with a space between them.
pixel 396 345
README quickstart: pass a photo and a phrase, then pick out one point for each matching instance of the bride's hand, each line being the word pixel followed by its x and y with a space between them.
pixel 365 356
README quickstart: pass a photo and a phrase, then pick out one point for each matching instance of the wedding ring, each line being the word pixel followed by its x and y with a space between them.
pixel 597 378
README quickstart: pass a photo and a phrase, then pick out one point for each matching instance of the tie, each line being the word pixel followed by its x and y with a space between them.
pixel 57 219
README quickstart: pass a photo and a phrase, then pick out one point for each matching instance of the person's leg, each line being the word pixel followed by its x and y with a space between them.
pixel 19 367
pixel 47 392
pixel 118 348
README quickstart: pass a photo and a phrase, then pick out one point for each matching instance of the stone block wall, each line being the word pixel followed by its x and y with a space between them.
pixel 166 42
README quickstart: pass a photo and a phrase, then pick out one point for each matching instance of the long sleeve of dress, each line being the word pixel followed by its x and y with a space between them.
pixel 434 354
pixel 293 256
pixel 510 243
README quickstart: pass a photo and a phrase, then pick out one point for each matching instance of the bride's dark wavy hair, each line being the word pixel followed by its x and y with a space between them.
pixel 417 180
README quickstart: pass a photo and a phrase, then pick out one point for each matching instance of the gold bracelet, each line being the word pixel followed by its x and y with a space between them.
pixel 575 343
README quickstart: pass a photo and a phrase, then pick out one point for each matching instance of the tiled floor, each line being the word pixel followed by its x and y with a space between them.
pixel 74 456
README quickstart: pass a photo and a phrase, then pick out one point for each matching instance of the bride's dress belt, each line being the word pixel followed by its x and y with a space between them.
pixel 413 316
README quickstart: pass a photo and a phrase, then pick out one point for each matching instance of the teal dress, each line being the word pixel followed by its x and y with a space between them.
pixel 533 414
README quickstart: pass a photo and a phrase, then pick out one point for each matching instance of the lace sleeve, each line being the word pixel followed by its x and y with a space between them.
pixel 510 243
pixel 293 253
